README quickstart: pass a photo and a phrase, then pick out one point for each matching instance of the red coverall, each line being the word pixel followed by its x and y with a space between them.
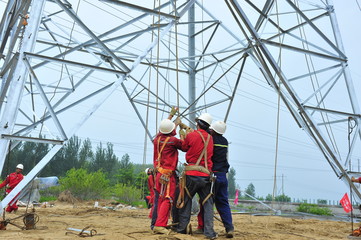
pixel 169 162
pixel 194 147
pixel 151 191
pixel 11 181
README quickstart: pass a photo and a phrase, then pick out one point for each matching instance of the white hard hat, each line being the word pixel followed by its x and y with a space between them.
pixel 146 170
pixel 206 117
pixel 166 126
pixel 20 166
pixel 219 127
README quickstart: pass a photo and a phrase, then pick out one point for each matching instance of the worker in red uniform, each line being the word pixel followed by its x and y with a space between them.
pixel 150 198
pixel 358 180
pixel 199 147
pixel 166 147
pixel 11 181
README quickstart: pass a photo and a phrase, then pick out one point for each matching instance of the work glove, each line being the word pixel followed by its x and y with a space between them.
pixel 183 126
pixel 173 111
pixel 182 133
pixel 189 130
pixel 177 121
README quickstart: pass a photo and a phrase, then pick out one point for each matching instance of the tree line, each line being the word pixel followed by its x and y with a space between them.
pixel 78 154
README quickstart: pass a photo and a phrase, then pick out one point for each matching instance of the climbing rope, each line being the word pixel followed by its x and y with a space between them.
pixel 278 108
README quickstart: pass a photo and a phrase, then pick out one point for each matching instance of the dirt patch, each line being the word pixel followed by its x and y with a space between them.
pixel 126 223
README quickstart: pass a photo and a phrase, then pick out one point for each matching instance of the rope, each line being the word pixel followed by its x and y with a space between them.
pixel 176 53
pixel 147 112
pixel 278 111
pixel 309 65
pixel 158 53
pixel 350 129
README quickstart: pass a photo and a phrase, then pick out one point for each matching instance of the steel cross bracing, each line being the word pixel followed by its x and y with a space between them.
pixel 73 55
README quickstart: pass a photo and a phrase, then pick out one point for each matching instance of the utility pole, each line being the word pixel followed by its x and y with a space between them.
pixel 283 190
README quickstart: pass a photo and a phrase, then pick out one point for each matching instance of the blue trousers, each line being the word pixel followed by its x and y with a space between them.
pixel 221 200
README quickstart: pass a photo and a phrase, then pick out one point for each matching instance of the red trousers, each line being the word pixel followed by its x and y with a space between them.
pixel 12 204
pixel 165 200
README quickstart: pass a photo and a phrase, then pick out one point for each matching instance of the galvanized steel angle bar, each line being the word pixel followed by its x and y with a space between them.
pixel 207 45
pixel 71 13
pixel 320 33
pixel 137 112
pixel 77 64
pixel 142 9
pixel 47 116
pixel 304 51
pixel 314 72
pixel 222 25
pixel 335 78
pixel 236 86
pixel 205 90
pixel 45 99
pixel 351 147
pixel 326 94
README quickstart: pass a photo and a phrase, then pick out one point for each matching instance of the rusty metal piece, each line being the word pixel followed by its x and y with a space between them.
pixel 82 232
pixel 30 219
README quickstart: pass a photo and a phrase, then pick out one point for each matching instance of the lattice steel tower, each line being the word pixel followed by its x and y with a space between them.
pixel 58 55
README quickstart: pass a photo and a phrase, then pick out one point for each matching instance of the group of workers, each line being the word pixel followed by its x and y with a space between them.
pixel 204 174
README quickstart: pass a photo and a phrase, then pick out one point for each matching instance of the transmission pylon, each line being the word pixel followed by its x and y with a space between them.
pixel 59 57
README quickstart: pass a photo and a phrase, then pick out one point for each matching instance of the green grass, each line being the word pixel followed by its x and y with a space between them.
pixel 47 198
pixel 314 209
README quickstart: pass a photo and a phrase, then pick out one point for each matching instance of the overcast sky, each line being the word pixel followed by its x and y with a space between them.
pixel 302 172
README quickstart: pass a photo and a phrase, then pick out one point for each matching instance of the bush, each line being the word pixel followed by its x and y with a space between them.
pixel 51 192
pixel 321 201
pixel 48 198
pixel 127 194
pixel 84 185
pixel 314 209
pixel 280 198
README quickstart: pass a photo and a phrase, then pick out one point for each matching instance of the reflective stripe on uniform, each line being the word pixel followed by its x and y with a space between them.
pixel 220 145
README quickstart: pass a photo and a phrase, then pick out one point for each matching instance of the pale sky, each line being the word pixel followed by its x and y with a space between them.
pixel 251 131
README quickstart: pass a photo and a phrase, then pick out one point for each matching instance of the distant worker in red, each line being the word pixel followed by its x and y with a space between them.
pixel 150 198
pixel 358 180
pixel 166 147
pixel 11 181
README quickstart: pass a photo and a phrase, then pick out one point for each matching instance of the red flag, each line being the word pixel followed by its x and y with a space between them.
pixel 236 198
pixel 346 204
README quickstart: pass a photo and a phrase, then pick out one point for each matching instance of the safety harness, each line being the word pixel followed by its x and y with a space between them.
pixel 166 173
pixel 196 167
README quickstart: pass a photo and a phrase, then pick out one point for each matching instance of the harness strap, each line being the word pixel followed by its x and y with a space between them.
pixel 161 150
pixel 197 168
pixel 204 152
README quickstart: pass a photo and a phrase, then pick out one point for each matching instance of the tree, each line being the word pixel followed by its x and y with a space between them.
pixel 99 159
pixel 280 198
pixel 232 183
pixel 71 153
pixel 86 154
pixel 125 173
pixel 250 190
pixel 111 164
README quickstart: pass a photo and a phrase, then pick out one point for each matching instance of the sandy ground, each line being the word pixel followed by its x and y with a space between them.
pixel 134 224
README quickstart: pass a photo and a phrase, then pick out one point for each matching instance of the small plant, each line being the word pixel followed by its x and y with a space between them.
pixel 127 194
pixel 51 192
pixel 314 209
pixel 84 185
pixel 251 208
pixel 48 198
